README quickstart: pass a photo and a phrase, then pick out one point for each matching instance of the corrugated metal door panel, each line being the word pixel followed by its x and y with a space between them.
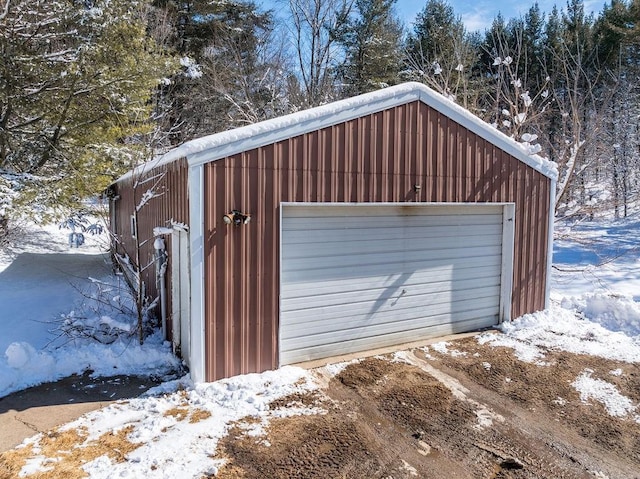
pixel 385 233
pixel 435 273
pixel 351 303
pixel 374 276
pixel 443 325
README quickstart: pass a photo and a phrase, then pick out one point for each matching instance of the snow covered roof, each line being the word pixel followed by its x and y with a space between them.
pixel 227 143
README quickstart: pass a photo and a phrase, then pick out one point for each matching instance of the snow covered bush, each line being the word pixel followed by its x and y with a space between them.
pixel 107 314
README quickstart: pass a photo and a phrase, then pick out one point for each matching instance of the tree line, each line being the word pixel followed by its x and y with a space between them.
pixel 90 88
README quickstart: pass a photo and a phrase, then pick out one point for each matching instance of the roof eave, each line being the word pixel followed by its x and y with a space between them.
pixel 231 142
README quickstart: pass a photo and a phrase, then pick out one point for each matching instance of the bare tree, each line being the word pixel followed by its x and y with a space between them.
pixel 312 25
pixel 581 106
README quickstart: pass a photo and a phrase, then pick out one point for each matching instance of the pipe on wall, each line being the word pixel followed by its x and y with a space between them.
pixel 161 270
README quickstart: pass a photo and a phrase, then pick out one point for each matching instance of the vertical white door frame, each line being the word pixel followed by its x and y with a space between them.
pixel 197 363
pixel 181 292
pixel 508 240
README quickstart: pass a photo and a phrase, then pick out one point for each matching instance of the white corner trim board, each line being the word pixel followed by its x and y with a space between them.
pixel 197 362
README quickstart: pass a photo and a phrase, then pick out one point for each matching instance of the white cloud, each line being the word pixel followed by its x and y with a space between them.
pixel 479 19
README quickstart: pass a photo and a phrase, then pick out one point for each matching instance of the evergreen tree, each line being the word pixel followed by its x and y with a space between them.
pixel 440 53
pixel 435 32
pixel 371 37
pixel 533 48
pixel 76 80
pixel 611 31
pixel 230 75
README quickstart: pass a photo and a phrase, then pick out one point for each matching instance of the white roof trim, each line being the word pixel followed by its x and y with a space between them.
pixel 227 143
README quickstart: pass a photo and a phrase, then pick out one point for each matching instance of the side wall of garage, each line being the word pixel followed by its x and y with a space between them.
pixel 171 204
pixel 409 153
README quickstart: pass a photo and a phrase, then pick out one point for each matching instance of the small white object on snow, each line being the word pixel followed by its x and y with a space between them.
pixel 192 69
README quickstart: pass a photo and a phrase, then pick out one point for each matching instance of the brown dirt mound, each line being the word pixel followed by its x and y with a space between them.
pixel 307 447
pixel 549 388
pixel 395 420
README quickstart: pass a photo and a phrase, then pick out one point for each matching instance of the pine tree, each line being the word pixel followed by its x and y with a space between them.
pixel 533 48
pixel 440 53
pixel 371 37
pixel 75 86
pixel 435 31
pixel 231 71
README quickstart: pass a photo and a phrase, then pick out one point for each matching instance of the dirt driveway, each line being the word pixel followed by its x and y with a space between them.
pixel 476 413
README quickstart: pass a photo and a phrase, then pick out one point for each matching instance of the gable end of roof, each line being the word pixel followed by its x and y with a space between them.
pixel 231 142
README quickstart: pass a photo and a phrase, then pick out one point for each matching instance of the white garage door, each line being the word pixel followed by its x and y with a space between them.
pixel 358 277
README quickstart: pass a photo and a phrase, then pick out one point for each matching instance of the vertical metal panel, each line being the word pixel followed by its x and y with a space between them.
pixel 171 184
pixel 376 158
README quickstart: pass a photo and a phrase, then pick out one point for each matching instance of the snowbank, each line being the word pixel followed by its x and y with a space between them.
pixel 600 325
pixel 45 284
pixel 23 366
pixel 188 450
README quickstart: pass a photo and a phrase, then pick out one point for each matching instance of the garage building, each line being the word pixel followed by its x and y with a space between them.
pixel 383 219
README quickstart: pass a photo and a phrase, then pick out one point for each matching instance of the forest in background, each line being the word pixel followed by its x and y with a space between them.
pixel 91 88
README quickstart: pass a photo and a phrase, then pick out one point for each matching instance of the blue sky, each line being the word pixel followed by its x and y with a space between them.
pixel 478 14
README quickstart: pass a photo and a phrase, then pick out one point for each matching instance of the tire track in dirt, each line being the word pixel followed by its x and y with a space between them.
pixel 395 420
pixel 541 401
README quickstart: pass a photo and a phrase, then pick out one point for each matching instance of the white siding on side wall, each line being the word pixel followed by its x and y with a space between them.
pixel 357 277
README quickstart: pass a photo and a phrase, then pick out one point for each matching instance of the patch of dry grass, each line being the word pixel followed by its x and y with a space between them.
pixel 67 451
pixel 195 415
pixel 198 415
pixel 11 462
pixel 180 413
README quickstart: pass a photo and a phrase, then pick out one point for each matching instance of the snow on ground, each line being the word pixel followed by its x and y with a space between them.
pixel 178 425
pixel 594 311
pixel 596 257
pixel 606 393
pixel 594 308
pixel 43 278
pixel 563 329
pixel 595 293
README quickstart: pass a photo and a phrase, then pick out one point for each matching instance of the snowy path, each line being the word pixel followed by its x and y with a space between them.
pixel 38 287
pixel 41 278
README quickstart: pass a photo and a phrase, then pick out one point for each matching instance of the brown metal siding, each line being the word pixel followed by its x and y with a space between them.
pixel 173 205
pixel 376 158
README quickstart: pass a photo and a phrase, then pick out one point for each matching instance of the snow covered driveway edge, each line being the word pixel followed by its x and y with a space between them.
pixel 602 325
